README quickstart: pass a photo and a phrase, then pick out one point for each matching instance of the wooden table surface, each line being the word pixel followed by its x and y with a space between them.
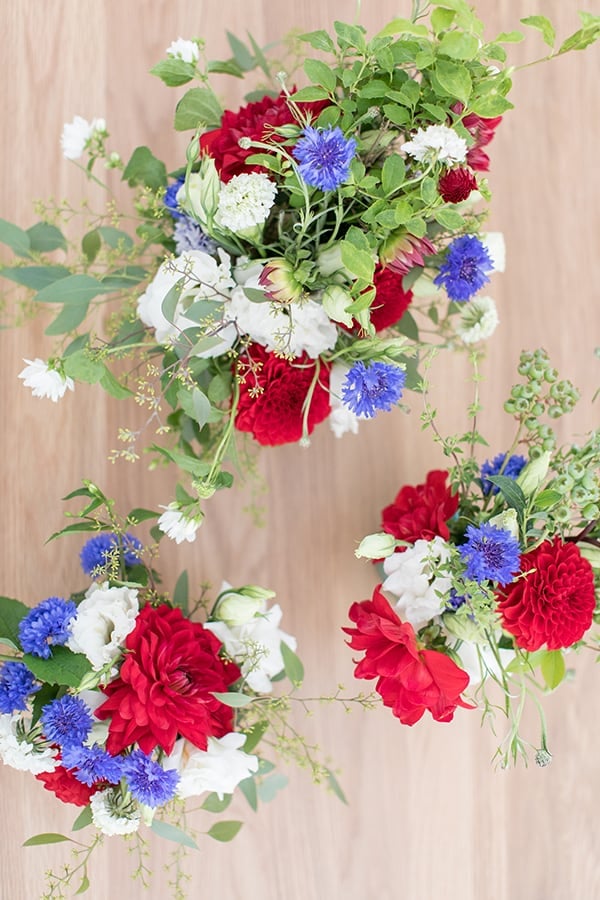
pixel 428 817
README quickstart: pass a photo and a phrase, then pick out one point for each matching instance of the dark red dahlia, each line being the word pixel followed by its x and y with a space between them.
pixel 66 787
pixel 422 510
pixel 456 185
pixel 391 300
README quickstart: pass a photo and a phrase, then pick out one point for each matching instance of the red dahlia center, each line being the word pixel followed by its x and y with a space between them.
pixel 180 681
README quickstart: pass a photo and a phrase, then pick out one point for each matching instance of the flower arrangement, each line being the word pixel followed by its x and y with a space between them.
pixel 121 702
pixel 491 571
pixel 299 259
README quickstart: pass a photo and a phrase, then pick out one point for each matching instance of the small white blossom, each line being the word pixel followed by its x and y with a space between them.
pixel 104 619
pixel 341 418
pixel 245 201
pixel 478 320
pixel 23 755
pixel 218 769
pixel 436 142
pixel 45 381
pixel 494 242
pixel 188 51
pixel 421 596
pixel 106 818
pixel 77 134
pixel 177 526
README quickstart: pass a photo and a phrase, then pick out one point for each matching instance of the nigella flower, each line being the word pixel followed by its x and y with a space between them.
pixel 92 764
pixel 464 271
pixel 490 553
pixel 46 624
pixel 148 782
pixel 324 156
pixel 67 721
pixel 170 198
pixel 367 389
pixel 17 684
pixel 97 552
pixel 189 236
pixel 512 469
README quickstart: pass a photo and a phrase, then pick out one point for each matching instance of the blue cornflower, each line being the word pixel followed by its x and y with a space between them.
pixel 17 683
pixel 464 271
pixel 324 156
pixel 455 600
pixel 92 764
pixel 491 553
pixel 148 782
pixel 369 388
pixel 170 198
pixel 512 469
pixel 189 236
pixel 96 552
pixel 46 624
pixel 67 721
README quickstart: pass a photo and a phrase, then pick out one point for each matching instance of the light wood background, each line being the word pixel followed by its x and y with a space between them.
pixel 428 815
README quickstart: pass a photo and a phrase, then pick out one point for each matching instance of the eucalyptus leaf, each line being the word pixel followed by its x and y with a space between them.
pixel 250 792
pixel 49 837
pixel 69 318
pixel 44 238
pixel 232 698
pixel 292 664
pixel 224 831
pixel 83 819
pixel 173 833
pixel 34 277
pixel 181 591
pixel 15 238
pixel 215 805
pixel 76 289
pixel 271 786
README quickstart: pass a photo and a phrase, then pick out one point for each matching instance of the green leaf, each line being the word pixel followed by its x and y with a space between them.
pixel 454 79
pixel 219 388
pixel 144 168
pixel 320 73
pixel 114 237
pixel 449 219
pixel 350 35
pixel 335 786
pixel 82 367
pixel 64 667
pixel 80 343
pixel 259 57
pixel 139 514
pixel 292 665
pixel 44 238
pixel 49 837
pixel 224 831
pixel 172 833
pixel 84 886
pixel 232 698
pixel 396 114
pixel 544 25
pixel 271 786
pixel 214 805
pixel 490 105
pixel 83 819
pixel 71 289
pixel 509 37
pixel 174 72
pixel 11 613
pixel 511 492
pixel 309 94
pixel 429 191
pixel 114 387
pixel 35 277
pixel 458 45
pixel 199 106
pixel 546 499
pixel 68 319
pixel 90 244
pixel 181 592
pixel 171 299
pixel 224 67
pixel 579 40
pixel 254 735
pixel 15 238
pixel 392 174
pixel 402 26
pixel 441 19
pixel 202 310
pixel 195 404
pixel 408 327
pixel 359 262
pixel 248 789
pixel 553 668
pixel 320 40
pixel 241 54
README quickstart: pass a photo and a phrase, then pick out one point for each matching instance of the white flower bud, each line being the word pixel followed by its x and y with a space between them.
pixel 534 473
pixel 238 607
pixel 376 546
pixel 335 300
pixel 199 196
pixel 508 521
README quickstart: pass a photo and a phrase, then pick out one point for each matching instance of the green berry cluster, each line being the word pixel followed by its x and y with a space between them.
pixel 578 481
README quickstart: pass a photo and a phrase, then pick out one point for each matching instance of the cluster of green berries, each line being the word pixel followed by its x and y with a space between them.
pixel 578 481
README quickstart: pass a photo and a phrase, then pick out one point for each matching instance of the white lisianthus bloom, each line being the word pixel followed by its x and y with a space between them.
pixel 420 595
pixel 106 817
pixel 76 135
pixel 245 201
pixel 478 320
pixel 494 243
pixel 219 768
pixel 436 142
pixel 104 619
pixel 479 660
pixel 198 276
pixel 177 526
pixel 341 418
pixel 188 51
pixel 23 755
pixel 256 646
pixel 45 381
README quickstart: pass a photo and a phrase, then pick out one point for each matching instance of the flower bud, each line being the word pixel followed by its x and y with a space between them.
pixel 376 546
pixel 199 196
pixel 241 606
pixel 534 474
pixel 508 521
pixel 335 300
pixel 279 282
pixel 464 627
pixel 329 262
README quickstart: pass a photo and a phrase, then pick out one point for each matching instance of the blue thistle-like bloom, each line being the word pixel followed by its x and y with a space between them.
pixel 324 156
pixel 367 389
pixel 148 782
pixel 67 721
pixel 92 764
pixel 490 553
pixel 455 600
pixel 170 198
pixel 512 469
pixel 17 684
pixel 46 624
pixel 189 236
pixel 96 552
pixel 464 271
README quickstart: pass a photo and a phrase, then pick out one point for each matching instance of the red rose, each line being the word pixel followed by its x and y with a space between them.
pixel 421 511
pixel 66 787
pixel 391 300
pixel 255 121
pixel 456 185
pixel 554 604
pixel 410 680
pixel 165 685
pixel 273 394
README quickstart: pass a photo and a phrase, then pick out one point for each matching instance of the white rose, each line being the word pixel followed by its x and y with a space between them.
pixel 420 595
pixel 104 619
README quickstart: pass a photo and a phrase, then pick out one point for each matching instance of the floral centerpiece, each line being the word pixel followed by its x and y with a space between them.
pixel 491 571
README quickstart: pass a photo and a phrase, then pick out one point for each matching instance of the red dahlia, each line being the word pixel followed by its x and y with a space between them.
pixel 255 121
pixel 456 185
pixel 552 605
pixel 66 787
pixel 421 511
pixel 391 300
pixel 410 680
pixel 273 394
pixel 166 683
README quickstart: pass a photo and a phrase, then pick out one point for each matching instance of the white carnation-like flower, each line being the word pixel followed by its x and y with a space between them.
pixel 105 815
pixel 177 526
pixel 45 381
pixel 245 201
pixel 494 242
pixel 478 320
pixel 104 619
pixel 420 595
pixel 188 51
pixel 23 755
pixel 436 142
pixel 341 418
pixel 76 135
pixel 256 646
pixel 198 276
pixel 218 769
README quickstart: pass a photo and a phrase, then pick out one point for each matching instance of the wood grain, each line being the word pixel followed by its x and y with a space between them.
pixel 428 816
